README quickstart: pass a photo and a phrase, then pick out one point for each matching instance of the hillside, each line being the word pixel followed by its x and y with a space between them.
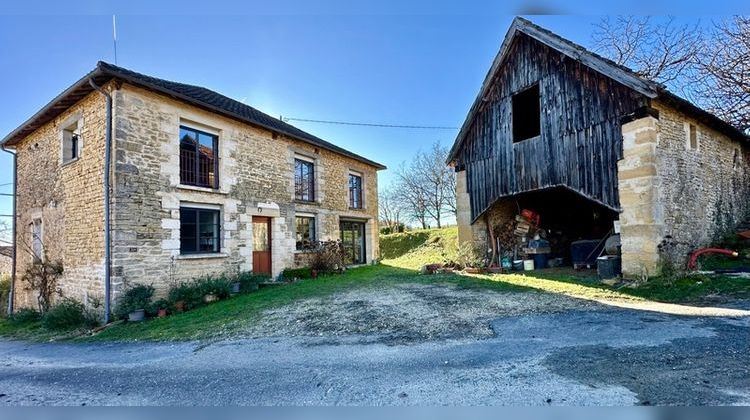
pixel 418 247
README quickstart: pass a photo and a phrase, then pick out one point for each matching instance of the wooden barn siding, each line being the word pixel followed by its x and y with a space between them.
pixel 580 141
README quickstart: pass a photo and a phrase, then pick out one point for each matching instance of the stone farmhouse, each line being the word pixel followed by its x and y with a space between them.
pixel 585 143
pixel 198 184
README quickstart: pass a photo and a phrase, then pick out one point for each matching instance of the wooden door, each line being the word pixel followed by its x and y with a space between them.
pixel 262 245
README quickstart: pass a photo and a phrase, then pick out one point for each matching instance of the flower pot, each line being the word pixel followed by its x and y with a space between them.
pixel 137 315
pixel 210 298
pixel 235 288
pixel 161 313
pixel 179 306
pixel 314 274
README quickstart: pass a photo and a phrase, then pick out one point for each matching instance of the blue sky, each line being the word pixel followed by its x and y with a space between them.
pixel 409 65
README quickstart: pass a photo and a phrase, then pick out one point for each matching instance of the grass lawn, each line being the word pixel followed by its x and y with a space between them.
pixel 407 252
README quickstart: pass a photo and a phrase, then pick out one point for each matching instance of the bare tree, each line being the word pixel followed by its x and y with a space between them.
pixel 710 68
pixel 723 80
pixel 410 192
pixel 389 208
pixel 428 186
pixel 660 51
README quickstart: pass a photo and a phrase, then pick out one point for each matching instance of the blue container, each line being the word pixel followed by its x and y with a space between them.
pixel 540 261
pixel 584 252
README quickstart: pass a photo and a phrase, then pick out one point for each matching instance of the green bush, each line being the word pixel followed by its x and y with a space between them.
pixel 153 308
pixel 25 315
pixel 137 297
pixel 68 314
pixel 299 273
pixel 249 281
pixel 219 286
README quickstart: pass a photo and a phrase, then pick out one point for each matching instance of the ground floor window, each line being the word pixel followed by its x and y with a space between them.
pixel 199 230
pixel 305 232
pixel 353 240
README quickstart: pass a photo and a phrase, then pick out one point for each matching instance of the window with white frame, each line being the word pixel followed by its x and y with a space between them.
pixel 71 144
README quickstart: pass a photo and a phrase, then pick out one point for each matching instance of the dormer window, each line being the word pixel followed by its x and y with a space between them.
pixel 71 145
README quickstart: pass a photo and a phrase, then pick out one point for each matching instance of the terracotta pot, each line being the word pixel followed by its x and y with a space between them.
pixel 179 306
pixel 162 313
pixel 314 274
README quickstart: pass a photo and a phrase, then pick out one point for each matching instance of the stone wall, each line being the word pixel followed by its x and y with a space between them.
pixel 6 265
pixel 641 219
pixel 255 171
pixel 67 197
pixel 704 192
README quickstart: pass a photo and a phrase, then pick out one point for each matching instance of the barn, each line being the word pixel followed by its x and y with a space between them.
pixel 591 150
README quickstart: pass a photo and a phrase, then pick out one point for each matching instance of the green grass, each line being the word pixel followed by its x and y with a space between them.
pixel 415 248
pixel 406 253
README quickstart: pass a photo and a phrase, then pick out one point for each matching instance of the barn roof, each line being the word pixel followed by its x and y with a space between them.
pixel 194 95
pixel 607 67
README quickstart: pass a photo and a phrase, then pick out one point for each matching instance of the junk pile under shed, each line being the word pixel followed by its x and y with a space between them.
pixel 555 230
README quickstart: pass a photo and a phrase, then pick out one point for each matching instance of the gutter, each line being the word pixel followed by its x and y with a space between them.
pixel 12 292
pixel 107 228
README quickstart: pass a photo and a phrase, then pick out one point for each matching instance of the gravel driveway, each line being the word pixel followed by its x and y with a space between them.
pixel 409 344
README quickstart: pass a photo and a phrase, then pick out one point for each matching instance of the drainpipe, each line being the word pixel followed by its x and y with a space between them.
pixel 107 239
pixel 12 293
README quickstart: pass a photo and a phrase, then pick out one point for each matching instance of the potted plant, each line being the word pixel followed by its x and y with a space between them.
pixel 161 308
pixel 215 289
pixel 134 302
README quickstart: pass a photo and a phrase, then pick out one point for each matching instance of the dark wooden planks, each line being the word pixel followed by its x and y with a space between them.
pixel 580 140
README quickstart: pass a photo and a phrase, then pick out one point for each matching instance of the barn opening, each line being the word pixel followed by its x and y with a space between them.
pixel 526 114
pixel 558 216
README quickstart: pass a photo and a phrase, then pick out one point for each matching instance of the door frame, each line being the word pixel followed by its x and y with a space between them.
pixel 268 220
pixel 363 223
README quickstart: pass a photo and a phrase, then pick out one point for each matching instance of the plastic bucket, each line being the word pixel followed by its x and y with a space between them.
pixel 528 265
pixel 518 265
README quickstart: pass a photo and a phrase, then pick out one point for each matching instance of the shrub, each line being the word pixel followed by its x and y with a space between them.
pixel 328 257
pixel 153 308
pixel 249 281
pixel 25 315
pixel 219 286
pixel 297 273
pixel 137 297
pixel 68 314
pixel 468 256
pixel 191 293
pixel 188 293
pixel 42 277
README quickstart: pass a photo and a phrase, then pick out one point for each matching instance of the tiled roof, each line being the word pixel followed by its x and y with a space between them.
pixel 196 95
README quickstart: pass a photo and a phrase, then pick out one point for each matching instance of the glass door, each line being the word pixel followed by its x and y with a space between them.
pixel 353 240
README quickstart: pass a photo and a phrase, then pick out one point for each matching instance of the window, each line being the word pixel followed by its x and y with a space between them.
pixel 198 163
pixel 355 191
pixel 199 230
pixel 304 180
pixel 305 232
pixel 36 239
pixel 526 114
pixel 692 140
pixel 71 143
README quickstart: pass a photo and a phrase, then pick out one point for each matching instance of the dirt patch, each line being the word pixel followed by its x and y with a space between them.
pixel 406 313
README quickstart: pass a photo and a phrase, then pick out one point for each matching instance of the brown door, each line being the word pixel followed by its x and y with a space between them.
pixel 262 245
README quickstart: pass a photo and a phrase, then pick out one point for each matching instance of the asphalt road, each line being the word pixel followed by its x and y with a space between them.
pixel 605 357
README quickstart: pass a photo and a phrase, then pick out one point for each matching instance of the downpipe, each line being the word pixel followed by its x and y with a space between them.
pixel 107 227
pixel 14 225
